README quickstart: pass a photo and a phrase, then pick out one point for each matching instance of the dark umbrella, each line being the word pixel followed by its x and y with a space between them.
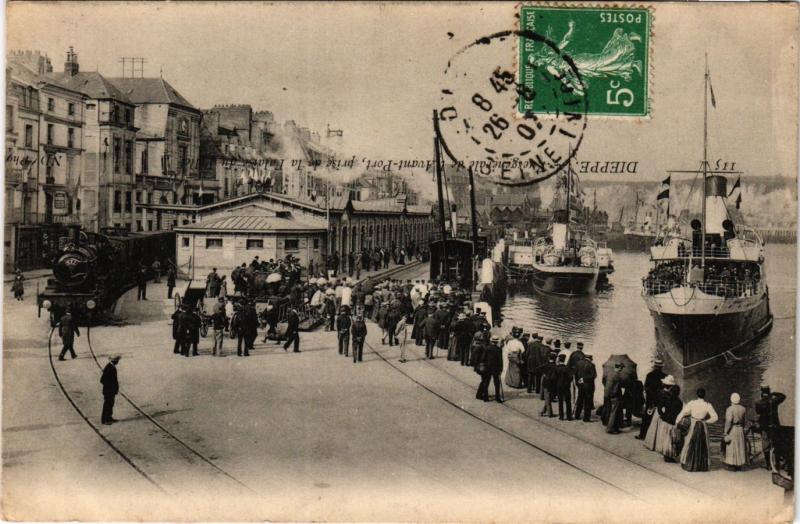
pixel 628 372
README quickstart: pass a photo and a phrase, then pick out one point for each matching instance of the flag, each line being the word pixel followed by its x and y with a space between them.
pixel 711 88
pixel 736 185
pixel 667 180
pixel 664 194
pixel 739 200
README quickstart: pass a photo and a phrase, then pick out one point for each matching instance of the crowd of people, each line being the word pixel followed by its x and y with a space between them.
pixel 720 278
pixel 370 259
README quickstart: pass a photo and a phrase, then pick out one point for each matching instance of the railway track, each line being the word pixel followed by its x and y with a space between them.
pixel 528 442
pixel 185 451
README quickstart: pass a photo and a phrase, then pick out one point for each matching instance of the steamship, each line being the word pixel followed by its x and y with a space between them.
pixel 565 258
pixel 707 290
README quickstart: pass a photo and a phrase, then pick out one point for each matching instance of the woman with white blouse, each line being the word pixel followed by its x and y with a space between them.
pixel 695 453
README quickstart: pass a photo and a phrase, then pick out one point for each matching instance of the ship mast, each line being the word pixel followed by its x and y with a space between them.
pixel 705 168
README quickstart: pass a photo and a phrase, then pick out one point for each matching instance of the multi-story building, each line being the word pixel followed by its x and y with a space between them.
pixel 49 147
pixel 107 186
pixel 167 152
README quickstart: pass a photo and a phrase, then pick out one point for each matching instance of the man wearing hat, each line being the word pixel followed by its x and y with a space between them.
pixel 430 329
pixel 462 331
pixel 585 375
pixel 492 368
pixel 613 401
pixel 547 373
pixel 68 330
pixel 359 331
pixel 533 361
pixel 343 325
pixel 292 331
pixel 563 380
pixel 768 419
pixel 652 391
pixel 110 390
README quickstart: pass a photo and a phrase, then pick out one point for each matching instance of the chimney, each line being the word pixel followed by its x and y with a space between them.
pixel 71 65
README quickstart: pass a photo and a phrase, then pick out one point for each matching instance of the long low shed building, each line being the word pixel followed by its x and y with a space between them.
pixel 270 226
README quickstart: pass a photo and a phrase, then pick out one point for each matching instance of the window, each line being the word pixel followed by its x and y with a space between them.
pixel 91 107
pixel 291 244
pixel 253 243
pixel 213 243
pixel 51 104
pixel 28 135
pixel 48 172
pixel 71 109
pixel 78 204
pixel 127 116
pixel 117 153
pixel 138 197
pixel 117 201
pixel 316 244
pixel 145 159
pixel 182 159
pixel 70 137
pixel 185 241
pixel 129 157
pixel 138 225
pixel 9 118
pixel 50 134
pixel 128 202
pixel 149 225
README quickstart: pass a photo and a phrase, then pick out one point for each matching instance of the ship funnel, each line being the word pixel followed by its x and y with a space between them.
pixel 716 210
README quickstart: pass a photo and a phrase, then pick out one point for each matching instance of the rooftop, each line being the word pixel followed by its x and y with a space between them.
pixel 150 91
pixel 255 224
pixel 92 84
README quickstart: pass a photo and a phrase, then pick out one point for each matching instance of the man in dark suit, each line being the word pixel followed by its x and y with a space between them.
pixel 185 330
pixel 142 280
pixel 493 367
pixel 430 328
pixel 110 390
pixel 343 324
pixel 547 372
pixel 359 331
pixel 563 385
pixel 652 392
pixel 176 329
pixel 533 361
pixel 585 376
pixel 463 332
pixel 68 330
pixel 293 331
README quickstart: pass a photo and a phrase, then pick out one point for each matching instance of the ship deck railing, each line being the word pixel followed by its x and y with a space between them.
pixel 711 286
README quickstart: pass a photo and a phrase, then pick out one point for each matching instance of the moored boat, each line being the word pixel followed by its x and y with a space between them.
pixel 707 290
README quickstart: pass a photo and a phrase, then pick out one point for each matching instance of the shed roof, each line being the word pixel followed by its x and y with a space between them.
pixel 254 224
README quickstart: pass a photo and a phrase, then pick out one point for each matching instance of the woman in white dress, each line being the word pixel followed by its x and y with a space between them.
pixel 735 445
pixel 695 453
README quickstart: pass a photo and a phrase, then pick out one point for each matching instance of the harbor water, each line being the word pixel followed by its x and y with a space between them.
pixel 616 321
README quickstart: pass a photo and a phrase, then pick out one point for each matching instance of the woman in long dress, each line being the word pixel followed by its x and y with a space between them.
pixel 735 445
pixel 668 408
pixel 695 453
pixel 514 373
pixel 655 420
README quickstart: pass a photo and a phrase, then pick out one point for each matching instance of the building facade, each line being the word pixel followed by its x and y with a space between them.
pixel 108 184
pixel 167 152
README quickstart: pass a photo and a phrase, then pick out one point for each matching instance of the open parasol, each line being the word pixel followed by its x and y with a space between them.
pixel 628 367
pixel 274 277
pixel 321 281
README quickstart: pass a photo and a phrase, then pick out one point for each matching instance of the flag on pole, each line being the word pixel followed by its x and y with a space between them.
pixel 736 185
pixel 711 89
pixel 667 180
pixel 664 194
pixel 739 200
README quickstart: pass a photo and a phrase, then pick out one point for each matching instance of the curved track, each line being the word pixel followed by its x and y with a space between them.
pixel 146 415
pixel 91 424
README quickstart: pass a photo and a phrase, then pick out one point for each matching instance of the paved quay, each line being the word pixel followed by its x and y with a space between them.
pixel 314 436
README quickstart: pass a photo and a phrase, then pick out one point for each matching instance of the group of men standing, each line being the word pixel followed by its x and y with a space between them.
pixel 349 330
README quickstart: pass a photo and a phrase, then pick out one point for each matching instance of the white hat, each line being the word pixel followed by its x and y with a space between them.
pixel 669 380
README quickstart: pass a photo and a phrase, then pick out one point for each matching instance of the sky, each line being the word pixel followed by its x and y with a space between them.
pixel 376 70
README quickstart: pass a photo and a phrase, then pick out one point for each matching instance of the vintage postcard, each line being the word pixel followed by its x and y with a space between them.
pixel 400 262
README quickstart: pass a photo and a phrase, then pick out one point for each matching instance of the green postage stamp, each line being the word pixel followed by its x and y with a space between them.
pixel 610 51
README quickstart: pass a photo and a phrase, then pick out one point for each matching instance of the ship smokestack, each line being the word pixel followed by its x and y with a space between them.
pixel 716 208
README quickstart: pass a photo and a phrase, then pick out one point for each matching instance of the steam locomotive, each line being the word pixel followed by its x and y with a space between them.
pixel 92 270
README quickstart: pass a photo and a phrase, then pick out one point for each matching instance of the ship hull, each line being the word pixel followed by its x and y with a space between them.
pixel 638 242
pixel 691 340
pixel 564 281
